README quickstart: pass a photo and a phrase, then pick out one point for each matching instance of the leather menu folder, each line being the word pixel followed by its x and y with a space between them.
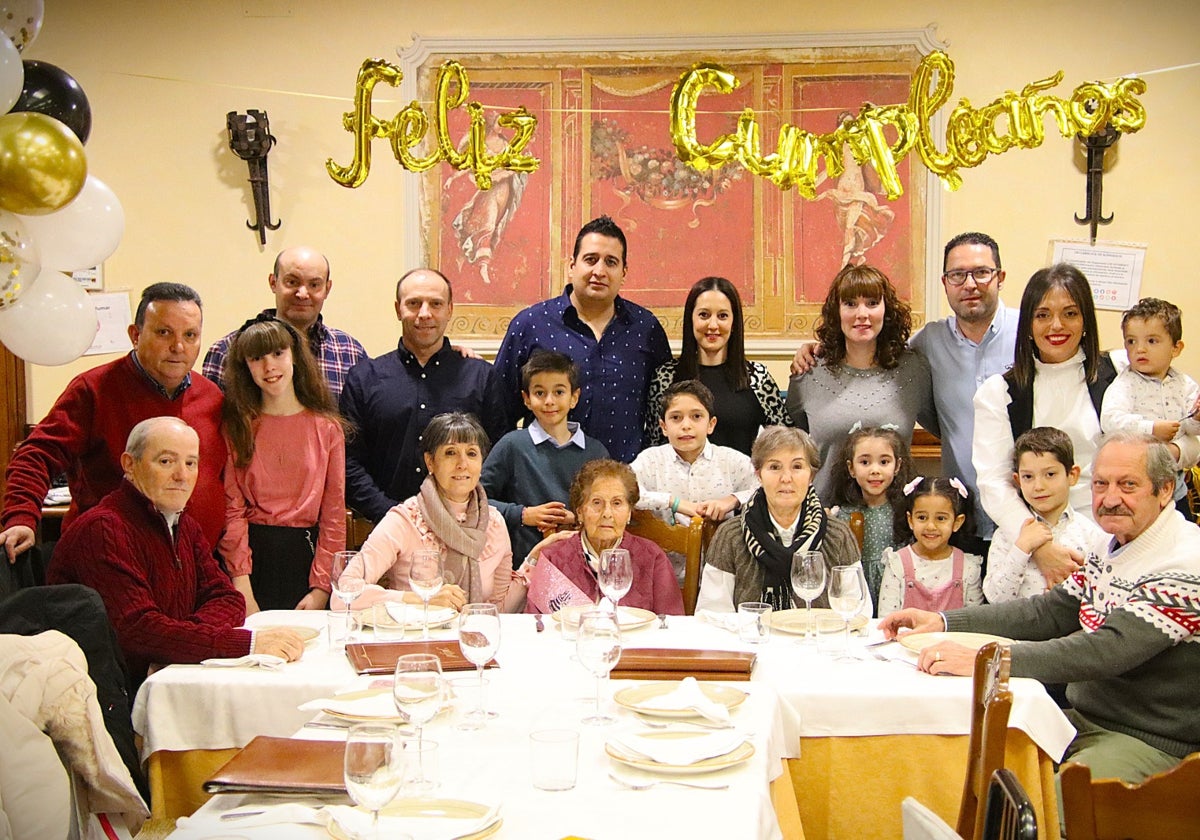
pixel 282 765
pixel 380 657
pixel 677 663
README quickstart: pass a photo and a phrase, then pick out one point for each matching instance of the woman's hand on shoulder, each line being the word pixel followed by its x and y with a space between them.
pixel 806 357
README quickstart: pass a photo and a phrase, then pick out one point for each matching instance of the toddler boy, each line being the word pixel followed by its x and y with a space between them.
pixel 1044 460
pixel 527 475
pixel 1151 396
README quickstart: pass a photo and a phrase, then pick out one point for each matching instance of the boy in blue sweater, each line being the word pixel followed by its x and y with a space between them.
pixel 528 474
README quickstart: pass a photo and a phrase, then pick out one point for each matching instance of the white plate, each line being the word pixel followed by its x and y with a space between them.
pixel 919 641
pixel 433 809
pixel 628 618
pixel 797 622
pixel 414 617
pixel 635 696
pixel 734 757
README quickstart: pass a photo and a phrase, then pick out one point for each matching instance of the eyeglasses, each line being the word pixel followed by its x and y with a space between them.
pixel 981 276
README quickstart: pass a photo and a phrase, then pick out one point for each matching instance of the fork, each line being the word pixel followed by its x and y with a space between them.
pixel 659 724
pixel 648 785
pixel 882 658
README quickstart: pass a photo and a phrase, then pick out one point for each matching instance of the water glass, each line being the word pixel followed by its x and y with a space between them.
pixel 418 691
pixel 847 595
pixel 479 639
pixel 754 622
pixel 808 580
pixel 553 758
pixel 598 646
pixel 373 767
pixel 425 577
pixel 420 771
pixel 615 575
pixel 340 626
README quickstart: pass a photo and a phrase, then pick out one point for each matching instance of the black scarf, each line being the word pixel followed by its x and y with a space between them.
pixel 775 558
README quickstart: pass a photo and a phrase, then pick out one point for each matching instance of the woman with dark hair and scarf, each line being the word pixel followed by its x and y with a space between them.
pixel 450 514
pixel 750 556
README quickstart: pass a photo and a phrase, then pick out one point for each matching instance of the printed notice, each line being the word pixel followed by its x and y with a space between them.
pixel 1114 271
pixel 112 311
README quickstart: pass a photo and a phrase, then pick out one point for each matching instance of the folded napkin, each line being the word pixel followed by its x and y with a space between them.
pixel 251 660
pixel 356 822
pixel 372 703
pixel 400 613
pixel 678 751
pixel 307 811
pixel 726 621
pixel 689 696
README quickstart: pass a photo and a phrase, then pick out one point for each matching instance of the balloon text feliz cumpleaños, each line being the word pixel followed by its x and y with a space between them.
pixel 408 128
pixel 971 133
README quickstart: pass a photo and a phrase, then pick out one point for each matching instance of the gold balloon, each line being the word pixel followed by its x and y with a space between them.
pixel 19 263
pixel 42 164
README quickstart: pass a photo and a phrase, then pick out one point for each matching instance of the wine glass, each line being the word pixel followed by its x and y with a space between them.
pixel 479 639
pixel 616 574
pixel 808 579
pixel 347 587
pixel 847 594
pixel 598 647
pixel 418 691
pixel 425 578
pixel 373 767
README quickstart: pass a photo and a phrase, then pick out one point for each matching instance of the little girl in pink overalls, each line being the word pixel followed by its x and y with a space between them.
pixel 930 573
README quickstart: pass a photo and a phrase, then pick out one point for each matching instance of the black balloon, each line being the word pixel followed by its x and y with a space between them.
pixel 52 91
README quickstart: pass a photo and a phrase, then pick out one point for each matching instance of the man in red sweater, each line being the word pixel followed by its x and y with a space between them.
pixel 84 434
pixel 147 557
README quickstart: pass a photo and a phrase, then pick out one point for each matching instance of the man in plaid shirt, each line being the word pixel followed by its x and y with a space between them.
pixel 300 281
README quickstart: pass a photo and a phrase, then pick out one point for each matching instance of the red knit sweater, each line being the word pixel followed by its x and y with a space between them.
pixel 84 435
pixel 167 599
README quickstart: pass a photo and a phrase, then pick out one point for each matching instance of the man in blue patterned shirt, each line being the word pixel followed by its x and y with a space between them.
pixel 300 281
pixel 616 344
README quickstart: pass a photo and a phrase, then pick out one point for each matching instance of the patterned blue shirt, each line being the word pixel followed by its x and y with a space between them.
pixel 614 372
pixel 959 366
pixel 336 352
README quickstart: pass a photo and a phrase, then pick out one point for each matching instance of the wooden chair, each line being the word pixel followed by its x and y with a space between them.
pixel 1009 814
pixel 357 530
pixel 1164 805
pixel 990 704
pixel 858 527
pixel 689 540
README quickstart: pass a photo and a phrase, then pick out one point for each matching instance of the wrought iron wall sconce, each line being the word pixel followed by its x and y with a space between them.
pixel 1096 146
pixel 250 139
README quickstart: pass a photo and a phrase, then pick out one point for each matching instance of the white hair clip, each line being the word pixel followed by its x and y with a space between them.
pixel 856 427
pixel 912 485
pixel 959 486
pixel 891 427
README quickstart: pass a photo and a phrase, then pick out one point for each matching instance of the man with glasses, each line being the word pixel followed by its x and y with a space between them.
pixel 965 348
pixel 962 349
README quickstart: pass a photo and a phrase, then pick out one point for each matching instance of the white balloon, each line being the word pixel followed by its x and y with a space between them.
pixel 20 264
pixel 82 234
pixel 12 74
pixel 52 323
pixel 21 20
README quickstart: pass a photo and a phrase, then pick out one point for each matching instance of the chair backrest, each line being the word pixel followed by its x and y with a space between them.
pixel 357 530
pixel 1164 805
pixel 991 701
pixel 688 540
pixel 1009 815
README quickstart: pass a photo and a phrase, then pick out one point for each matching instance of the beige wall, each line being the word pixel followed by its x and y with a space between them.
pixel 161 74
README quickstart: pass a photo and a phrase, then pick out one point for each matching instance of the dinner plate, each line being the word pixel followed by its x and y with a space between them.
pixel 635 696
pixel 628 618
pixel 919 641
pixel 306 634
pixel 734 757
pixel 414 617
pixel 433 809
pixel 357 718
pixel 796 621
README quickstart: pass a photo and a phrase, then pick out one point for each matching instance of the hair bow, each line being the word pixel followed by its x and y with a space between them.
pixel 857 427
pixel 959 486
pixel 912 485
pixel 891 427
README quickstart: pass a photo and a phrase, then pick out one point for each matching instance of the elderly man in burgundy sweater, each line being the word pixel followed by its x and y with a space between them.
pixel 148 558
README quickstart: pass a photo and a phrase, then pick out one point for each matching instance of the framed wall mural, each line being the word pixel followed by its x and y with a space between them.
pixel 605 147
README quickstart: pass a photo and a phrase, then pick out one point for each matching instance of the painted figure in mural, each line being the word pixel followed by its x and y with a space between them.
pixel 856 207
pixel 479 225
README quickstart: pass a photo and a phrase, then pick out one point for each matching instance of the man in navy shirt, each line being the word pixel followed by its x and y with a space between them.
pixel 616 344
pixel 390 399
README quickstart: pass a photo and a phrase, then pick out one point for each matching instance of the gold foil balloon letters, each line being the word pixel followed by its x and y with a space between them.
pixel 1014 119
pixel 408 128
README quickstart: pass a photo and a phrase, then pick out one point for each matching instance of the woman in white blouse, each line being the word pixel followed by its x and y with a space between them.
pixel 1058 379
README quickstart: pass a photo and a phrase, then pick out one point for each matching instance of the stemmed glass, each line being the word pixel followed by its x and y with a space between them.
pixel 479 639
pixel 418 691
pixel 808 579
pixel 847 594
pixel 425 578
pixel 346 587
pixel 615 575
pixel 373 767
pixel 598 647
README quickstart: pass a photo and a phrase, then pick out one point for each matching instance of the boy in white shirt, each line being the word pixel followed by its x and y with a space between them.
pixel 1151 396
pixel 1044 460
pixel 688 475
